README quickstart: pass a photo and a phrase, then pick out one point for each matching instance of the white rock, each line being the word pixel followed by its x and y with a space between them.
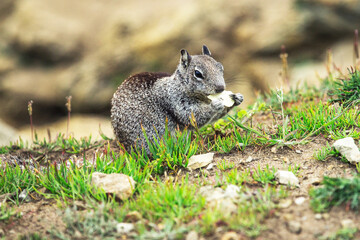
pixel 249 159
pixel 193 235
pixel 224 97
pixel 287 178
pixel 232 191
pixel 285 203
pixel 231 236
pixel 294 227
pixel 211 165
pixel 348 223
pixel 201 160
pixel 23 195
pixel 221 199
pixel 348 149
pixel 122 185
pixel 226 205
pixel 315 181
pixel 299 200
pixel 211 193
pixel 124 228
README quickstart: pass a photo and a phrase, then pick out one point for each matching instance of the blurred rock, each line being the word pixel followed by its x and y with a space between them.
pixel 287 178
pixel 43 32
pixel 80 126
pixel 231 236
pixel 6 8
pixel 7 134
pixel 6 65
pixel 348 149
pixel 87 47
pixel 294 227
pixel 124 228
pixel 200 160
pixel 192 235
pixel 299 200
pixel 115 183
pixel 348 223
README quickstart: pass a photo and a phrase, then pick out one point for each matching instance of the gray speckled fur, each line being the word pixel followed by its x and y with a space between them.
pixel 148 99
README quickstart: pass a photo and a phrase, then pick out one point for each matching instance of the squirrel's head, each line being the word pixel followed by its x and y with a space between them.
pixel 201 74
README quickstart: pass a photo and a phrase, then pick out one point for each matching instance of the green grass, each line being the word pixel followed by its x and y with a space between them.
pixel 336 191
pixel 264 176
pixel 342 234
pixel 326 152
pixel 15 179
pixel 6 212
pixel 171 151
pixel 252 209
pixel 93 224
pixel 169 209
pixel 346 90
pixel 69 145
pixel 224 165
pixel 236 177
pixel 177 202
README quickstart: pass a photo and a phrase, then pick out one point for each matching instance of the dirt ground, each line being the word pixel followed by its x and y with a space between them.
pixel 42 215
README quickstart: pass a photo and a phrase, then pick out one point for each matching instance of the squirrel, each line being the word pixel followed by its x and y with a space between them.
pixel 146 101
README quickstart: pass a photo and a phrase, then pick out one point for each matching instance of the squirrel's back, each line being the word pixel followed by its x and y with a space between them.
pixel 142 81
pixel 133 104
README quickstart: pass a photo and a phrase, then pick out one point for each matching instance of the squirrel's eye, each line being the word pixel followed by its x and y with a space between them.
pixel 198 74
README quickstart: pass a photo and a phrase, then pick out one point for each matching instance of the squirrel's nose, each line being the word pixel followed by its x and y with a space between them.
pixel 219 89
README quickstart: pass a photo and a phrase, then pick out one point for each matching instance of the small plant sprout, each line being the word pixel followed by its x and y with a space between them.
pixel 329 61
pixel 285 68
pixel 31 120
pixel 323 153
pixel 68 106
pixel 224 165
pixel 334 192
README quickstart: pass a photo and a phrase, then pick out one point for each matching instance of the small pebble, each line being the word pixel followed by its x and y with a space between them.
pixel 210 166
pixel 193 235
pixel 288 217
pixel 23 195
pixel 249 159
pixel 230 236
pixel 287 178
pixel 133 216
pixel 285 203
pixel 315 181
pixel 298 151
pixel 318 216
pixel 299 200
pixel 274 149
pixel 124 228
pixel 348 223
pixel 294 227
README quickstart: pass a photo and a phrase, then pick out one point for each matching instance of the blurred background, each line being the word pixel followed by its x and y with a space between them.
pixel 86 48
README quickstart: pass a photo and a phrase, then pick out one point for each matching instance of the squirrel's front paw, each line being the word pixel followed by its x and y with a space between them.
pixel 238 98
pixel 217 105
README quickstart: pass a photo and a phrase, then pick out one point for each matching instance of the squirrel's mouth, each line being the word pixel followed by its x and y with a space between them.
pixel 201 96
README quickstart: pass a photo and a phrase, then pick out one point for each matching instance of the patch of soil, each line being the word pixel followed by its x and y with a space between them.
pixel 36 217
pixel 42 215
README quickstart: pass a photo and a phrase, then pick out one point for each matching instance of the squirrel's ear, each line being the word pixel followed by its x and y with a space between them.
pixel 185 58
pixel 206 51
